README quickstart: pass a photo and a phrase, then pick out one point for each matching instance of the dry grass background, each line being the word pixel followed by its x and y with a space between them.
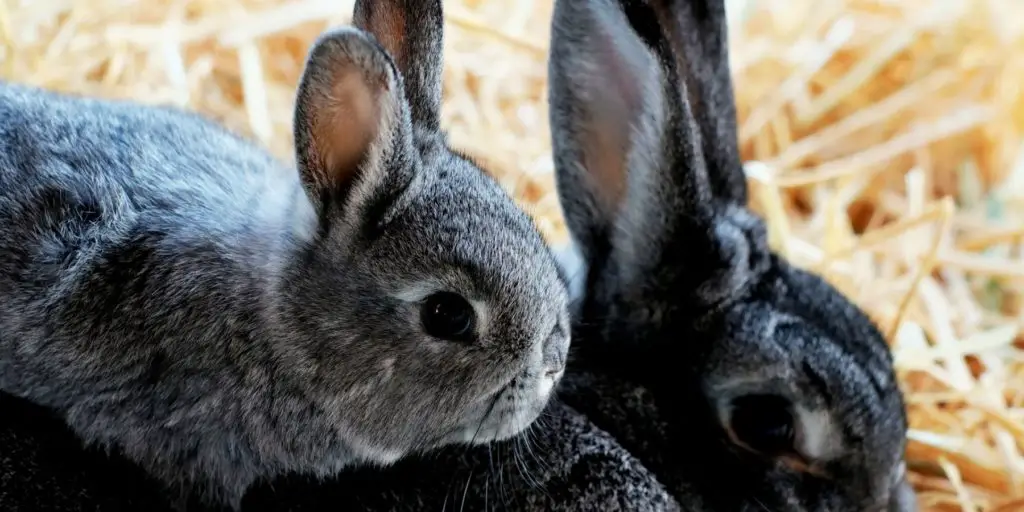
pixel 883 141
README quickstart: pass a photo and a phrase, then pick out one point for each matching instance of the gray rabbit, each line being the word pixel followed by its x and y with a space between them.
pixel 179 296
pixel 745 383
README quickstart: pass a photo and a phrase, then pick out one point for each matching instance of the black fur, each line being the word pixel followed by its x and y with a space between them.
pixel 685 305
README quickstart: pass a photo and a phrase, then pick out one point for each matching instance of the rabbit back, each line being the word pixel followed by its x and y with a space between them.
pixel 110 208
pixel 137 245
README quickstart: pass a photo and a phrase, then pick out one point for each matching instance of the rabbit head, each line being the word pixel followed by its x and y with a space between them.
pixel 435 311
pixel 779 392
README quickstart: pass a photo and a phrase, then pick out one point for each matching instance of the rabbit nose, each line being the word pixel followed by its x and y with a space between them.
pixel 554 372
pixel 554 364
pixel 555 350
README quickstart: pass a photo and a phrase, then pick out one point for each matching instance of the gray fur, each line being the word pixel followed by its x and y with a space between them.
pixel 177 295
pixel 683 297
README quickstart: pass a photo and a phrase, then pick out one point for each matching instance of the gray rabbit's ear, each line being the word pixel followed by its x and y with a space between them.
pixel 626 146
pixel 350 119
pixel 698 33
pixel 412 33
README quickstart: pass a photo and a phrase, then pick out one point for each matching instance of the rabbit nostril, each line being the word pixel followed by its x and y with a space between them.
pixel 554 372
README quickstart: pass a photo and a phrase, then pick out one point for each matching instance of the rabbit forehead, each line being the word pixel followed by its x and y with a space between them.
pixel 763 349
pixel 747 355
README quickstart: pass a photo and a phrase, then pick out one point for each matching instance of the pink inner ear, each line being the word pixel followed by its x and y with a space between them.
pixel 609 129
pixel 346 121
pixel 617 83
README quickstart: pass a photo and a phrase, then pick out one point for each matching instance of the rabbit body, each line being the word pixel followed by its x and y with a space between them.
pixel 142 258
pixel 177 295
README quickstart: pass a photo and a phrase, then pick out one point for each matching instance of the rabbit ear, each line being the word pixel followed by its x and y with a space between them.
pixel 626 147
pixel 699 36
pixel 350 121
pixel 412 33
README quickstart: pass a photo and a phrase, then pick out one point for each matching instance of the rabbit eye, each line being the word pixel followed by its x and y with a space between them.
pixel 764 423
pixel 448 316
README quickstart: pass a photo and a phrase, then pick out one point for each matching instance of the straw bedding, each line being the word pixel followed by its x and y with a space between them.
pixel 883 144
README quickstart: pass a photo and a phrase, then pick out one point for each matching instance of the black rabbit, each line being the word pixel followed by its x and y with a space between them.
pixel 744 383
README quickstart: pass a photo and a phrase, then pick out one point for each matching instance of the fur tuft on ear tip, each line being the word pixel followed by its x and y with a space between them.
pixel 347 110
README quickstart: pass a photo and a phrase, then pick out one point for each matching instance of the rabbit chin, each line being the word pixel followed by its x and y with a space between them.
pixel 514 409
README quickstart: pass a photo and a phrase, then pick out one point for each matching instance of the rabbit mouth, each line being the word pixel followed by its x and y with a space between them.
pixel 509 411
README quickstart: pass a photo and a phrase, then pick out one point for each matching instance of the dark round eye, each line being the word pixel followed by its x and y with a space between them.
pixel 764 423
pixel 448 316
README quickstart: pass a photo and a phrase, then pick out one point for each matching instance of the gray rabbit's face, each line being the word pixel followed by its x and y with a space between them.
pixel 768 378
pixel 435 307
pixel 466 313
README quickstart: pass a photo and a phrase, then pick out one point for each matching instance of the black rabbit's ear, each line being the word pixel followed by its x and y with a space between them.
pixel 626 147
pixel 698 34
pixel 351 123
pixel 412 33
